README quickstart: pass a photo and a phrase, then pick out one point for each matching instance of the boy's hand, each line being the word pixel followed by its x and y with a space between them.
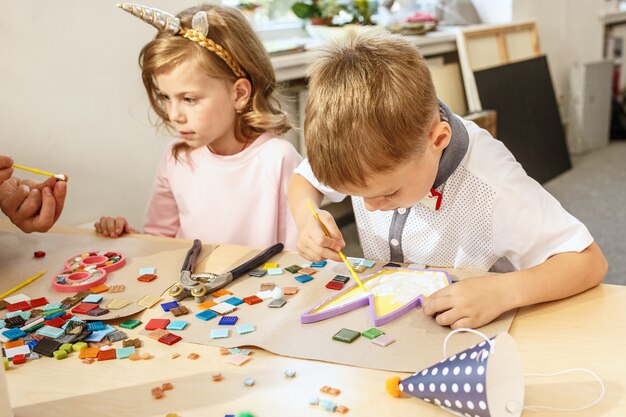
pixel 6 170
pixel 314 245
pixel 472 302
pixel 113 226
pixel 33 207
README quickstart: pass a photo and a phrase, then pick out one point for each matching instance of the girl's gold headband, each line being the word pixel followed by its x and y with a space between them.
pixel 168 23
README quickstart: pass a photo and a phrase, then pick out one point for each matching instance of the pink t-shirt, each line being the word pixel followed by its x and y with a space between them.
pixel 236 199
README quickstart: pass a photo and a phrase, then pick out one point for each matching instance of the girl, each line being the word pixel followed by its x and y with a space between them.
pixel 224 180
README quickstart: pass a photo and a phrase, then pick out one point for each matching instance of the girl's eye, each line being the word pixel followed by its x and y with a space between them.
pixel 190 100
pixel 162 97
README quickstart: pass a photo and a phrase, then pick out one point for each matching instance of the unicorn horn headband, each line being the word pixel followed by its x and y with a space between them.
pixel 168 23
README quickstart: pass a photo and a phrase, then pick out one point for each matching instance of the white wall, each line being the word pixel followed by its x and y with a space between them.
pixel 570 32
pixel 494 11
pixel 72 101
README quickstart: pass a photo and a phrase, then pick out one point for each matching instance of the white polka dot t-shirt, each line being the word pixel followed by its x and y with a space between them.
pixel 493 216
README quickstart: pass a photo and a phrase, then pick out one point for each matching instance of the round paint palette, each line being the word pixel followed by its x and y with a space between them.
pixel 87 270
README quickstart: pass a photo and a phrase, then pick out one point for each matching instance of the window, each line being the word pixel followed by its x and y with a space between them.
pixel 262 13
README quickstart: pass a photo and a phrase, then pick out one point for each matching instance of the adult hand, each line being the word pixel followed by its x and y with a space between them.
pixel 33 207
pixel 6 169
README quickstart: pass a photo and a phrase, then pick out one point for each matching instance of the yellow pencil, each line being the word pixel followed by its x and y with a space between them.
pixel 23 284
pixel 33 170
pixel 343 257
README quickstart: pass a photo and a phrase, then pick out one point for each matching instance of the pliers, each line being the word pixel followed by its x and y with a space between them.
pixel 198 285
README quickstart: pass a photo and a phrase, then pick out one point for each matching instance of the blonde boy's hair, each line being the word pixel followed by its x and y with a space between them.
pixel 229 28
pixel 370 106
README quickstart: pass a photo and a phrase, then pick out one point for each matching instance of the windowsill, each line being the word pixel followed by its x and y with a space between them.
pixel 271 31
pixel 291 55
pixel 613 17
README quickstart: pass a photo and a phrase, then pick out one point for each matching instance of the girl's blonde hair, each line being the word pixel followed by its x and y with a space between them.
pixel 230 29
pixel 370 106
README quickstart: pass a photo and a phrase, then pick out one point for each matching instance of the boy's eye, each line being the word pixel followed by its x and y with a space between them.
pixel 390 196
pixel 190 100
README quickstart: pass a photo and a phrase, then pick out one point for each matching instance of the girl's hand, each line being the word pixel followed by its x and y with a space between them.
pixel 472 302
pixel 314 245
pixel 113 226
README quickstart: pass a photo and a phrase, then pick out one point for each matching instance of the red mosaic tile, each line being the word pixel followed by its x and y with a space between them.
pixel 57 322
pixel 154 324
pixel 105 355
pixel 38 302
pixel 147 277
pixel 84 308
pixel 334 285
pixel 22 305
pixel 253 299
pixel 170 339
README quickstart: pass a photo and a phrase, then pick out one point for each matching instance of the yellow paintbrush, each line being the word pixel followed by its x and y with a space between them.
pixel 60 177
pixel 343 257
pixel 23 284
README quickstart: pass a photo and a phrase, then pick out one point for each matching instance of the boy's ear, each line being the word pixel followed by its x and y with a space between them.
pixel 440 135
pixel 242 90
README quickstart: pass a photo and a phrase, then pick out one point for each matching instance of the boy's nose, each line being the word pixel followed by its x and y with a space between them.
pixel 373 204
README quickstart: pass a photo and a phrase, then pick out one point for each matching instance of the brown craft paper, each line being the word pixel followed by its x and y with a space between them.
pixel 419 340
pixel 17 263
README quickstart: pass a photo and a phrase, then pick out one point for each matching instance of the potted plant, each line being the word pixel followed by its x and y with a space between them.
pixel 319 12
pixel 416 24
pixel 248 8
pixel 361 11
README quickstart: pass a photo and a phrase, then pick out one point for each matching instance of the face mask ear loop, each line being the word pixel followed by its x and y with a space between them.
pixel 542 407
pixel 463 329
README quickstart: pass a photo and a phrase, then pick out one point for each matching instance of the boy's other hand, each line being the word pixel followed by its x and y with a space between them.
pixel 113 226
pixel 472 302
pixel 314 245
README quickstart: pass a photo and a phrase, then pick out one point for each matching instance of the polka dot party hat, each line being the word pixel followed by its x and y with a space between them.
pixel 485 380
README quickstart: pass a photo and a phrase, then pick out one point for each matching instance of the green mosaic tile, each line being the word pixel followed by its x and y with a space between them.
pixel 372 333
pixel 130 324
pixel 294 268
pixel 346 335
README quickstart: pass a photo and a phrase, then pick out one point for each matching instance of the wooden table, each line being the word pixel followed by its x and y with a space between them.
pixel 586 331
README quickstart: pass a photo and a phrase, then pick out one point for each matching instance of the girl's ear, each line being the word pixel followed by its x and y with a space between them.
pixel 242 90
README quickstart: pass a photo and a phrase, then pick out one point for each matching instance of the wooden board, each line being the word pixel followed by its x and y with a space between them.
pixel 529 122
pixel 488 46
pixel 449 86
pixel 502 45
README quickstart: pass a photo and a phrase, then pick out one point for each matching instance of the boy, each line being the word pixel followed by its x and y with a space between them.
pixel 428 187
